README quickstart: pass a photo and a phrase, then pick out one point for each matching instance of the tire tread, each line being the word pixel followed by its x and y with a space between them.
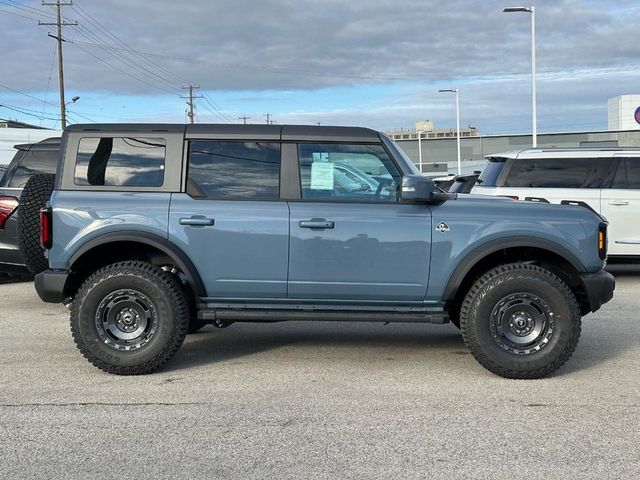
pixel 165 281
pixel 517 270
pixel 35 195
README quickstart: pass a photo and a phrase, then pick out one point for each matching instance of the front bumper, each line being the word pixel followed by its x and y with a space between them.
pixel 599 287
pixel 50 285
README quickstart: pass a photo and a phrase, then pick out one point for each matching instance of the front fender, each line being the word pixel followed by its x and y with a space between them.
pixel 477 227
pixel 472 257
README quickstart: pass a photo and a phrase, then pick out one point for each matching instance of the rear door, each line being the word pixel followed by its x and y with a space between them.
pixel 231 221
pixel 621 207
pixel 351 239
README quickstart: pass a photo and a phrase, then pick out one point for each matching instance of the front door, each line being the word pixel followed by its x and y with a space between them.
pixel 351 239
pixel 231 222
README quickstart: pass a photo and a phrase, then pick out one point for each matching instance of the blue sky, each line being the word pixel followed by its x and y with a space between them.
pixel 369 63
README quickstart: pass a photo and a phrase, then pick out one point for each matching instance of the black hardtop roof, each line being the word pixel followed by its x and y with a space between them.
pixel 235 131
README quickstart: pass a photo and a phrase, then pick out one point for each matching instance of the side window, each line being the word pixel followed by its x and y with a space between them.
pixel 234 170
pixel 33 162
pixel 633 173
pixel 120 162
pixel 558 173
pixel 336 172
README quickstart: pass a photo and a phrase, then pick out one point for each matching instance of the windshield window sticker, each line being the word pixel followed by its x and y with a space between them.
pixel 322 175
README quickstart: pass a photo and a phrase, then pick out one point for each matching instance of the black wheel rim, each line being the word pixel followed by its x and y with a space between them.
pixel 522 323
pixel 126 320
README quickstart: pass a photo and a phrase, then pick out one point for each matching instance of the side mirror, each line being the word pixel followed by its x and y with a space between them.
pixel 418 188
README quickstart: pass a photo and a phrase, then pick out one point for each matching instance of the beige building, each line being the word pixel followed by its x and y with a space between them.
pixel 426 130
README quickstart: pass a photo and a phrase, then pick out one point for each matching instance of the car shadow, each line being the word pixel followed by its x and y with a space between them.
pixel 624 269
pixel 5 279
pixel 213 345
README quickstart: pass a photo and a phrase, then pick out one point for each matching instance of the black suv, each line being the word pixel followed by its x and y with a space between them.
pixel 30 159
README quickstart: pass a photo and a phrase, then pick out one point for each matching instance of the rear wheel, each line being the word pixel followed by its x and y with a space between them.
pixel 129 318
pixel 35 195
pixel 520 321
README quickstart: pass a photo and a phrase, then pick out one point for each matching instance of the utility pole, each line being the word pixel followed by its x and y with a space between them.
pixel 59 23
pixel 268 117
pixel 244 119
pixel 190 101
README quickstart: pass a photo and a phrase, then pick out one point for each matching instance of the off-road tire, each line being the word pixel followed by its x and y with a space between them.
pixel 35 195
pixel 162 296
pixel 479 322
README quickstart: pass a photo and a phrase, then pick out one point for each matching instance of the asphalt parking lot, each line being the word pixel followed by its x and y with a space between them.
pixel 317 400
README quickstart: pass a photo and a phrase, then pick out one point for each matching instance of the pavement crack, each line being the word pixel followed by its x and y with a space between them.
pixel 101 404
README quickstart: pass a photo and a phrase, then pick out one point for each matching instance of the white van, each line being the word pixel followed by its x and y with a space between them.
pixel 606 179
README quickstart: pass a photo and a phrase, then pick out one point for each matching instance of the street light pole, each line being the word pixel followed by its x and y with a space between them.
pixel 455 90
pixel 534 122
pixel 534 114
pixel 420 150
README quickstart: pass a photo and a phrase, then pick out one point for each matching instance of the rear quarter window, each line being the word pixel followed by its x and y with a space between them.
pixel 491 172
pixel 33 162
pixel 558 173
pixel 120 162
pixel 628 174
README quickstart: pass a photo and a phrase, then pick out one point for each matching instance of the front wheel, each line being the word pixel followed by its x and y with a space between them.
pixel 520 321
pixel 129 318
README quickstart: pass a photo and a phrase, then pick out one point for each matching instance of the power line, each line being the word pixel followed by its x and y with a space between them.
pixel 22 111
pixel 215 110
pixel 166 73
pixel 124 71
pixel 46 94
pixel 19 15
pixel 163 84
pixel 141 53
pixel 27 95
pixel 27 8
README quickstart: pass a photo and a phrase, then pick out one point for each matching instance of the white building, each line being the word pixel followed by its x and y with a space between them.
pixel 10 136
pixel 624 112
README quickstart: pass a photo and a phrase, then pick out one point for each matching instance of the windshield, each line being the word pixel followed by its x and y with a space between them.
pixel 398 152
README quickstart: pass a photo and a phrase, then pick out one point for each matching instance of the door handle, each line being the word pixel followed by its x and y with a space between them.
pixel 618 202
pixel 319 223
pixel 197 221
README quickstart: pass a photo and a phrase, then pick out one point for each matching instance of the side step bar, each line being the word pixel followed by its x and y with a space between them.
pixel 264 315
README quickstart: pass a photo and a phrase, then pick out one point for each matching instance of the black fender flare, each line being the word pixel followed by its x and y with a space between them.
pixel 182 261
pixel 477 254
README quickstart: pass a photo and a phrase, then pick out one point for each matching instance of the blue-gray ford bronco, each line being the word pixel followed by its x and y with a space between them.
pixel 152 231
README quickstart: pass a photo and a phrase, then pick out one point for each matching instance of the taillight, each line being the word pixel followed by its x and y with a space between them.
pixel 8 205
pixel 602 240
pixel 45 228
pixel 513 197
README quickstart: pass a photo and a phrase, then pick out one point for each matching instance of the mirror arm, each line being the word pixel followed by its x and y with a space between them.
pixel 438 198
